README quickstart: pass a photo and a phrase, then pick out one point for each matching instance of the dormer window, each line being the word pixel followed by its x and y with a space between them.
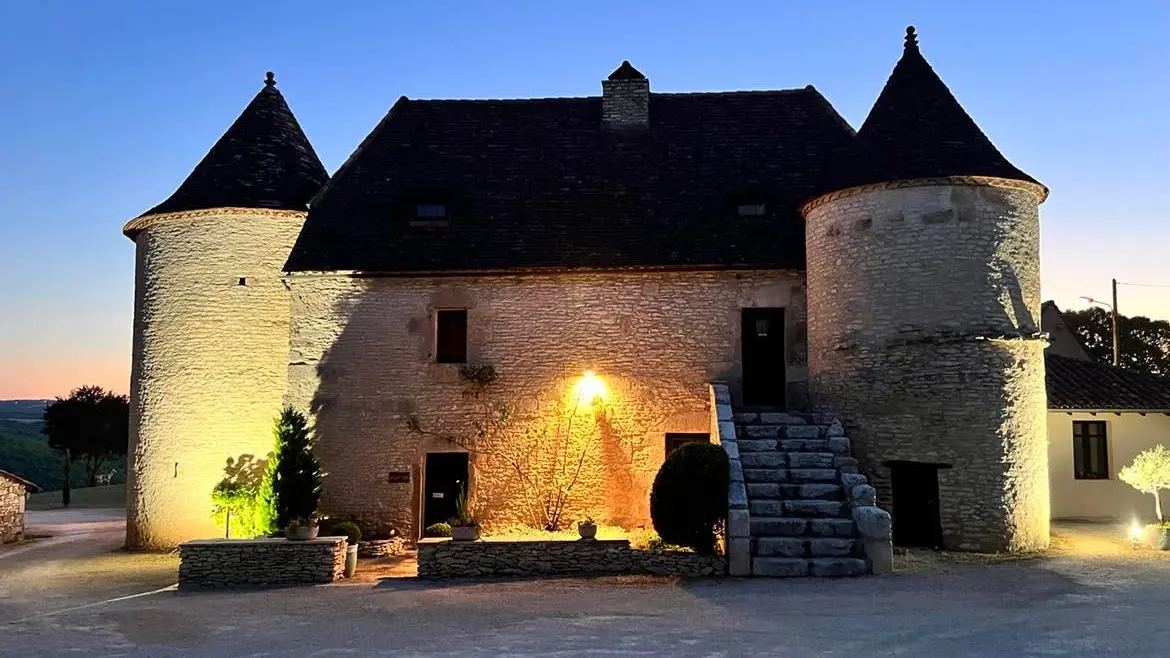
pixel 430 211
pixel 751 209
pixel 432 215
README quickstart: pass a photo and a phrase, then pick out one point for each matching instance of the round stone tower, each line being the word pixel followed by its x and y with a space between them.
pixel 211 321
pixel 924 320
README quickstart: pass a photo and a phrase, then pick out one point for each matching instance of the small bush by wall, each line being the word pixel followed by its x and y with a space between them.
pixel 688 502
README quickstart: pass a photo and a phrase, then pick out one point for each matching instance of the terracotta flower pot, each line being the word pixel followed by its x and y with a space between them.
pixel 305 533
pixel 587 531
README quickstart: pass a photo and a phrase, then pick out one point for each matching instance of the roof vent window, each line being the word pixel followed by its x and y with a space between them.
pixel 751 209
pixel 430 215
pixel 431 211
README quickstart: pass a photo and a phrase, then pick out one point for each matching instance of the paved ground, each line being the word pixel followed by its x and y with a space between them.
pixel 1096 598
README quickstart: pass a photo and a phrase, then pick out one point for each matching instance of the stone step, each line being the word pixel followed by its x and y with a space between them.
pixel 787 526
pixel 771 459
pixel 780 567
pixel 805 547
pixel 756 445
pixel 803 508
pixel 811 460
pixel 837 567
pixel 796 475
pixel 773 417
pixel 825 567
pixel 757 431
pixel 788 491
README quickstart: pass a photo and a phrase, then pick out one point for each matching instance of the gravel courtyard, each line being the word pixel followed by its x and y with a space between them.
pixel 1092 599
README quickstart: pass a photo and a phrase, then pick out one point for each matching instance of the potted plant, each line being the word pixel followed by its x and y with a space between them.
pixel 353 535
pixel 463 525
pixel 302 529
pixel 587 528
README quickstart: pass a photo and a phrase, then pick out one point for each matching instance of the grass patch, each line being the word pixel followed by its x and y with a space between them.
pixel 112 496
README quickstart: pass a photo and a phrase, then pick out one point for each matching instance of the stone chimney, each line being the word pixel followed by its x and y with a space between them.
pixel 625 98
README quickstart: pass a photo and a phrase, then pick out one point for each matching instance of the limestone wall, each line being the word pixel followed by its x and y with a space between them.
pixel 452 559
pixel 361 362
pixel 260 562
pixel 924 310
pixel 209 362
pixel 11 510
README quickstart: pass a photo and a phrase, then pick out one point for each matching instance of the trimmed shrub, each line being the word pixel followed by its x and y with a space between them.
pixel 353 534
pixel 688 503
pixel 296 481
pixel 437 530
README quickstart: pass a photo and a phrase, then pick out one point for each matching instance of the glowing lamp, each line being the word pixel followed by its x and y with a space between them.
pixel 1135 532
pixel 590 387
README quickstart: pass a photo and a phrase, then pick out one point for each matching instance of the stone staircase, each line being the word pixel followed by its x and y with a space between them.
pixel 800 475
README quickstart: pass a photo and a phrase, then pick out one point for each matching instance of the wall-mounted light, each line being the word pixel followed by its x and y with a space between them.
pixel 590 387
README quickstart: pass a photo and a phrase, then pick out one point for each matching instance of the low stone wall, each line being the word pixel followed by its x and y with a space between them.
pixel 215 563
pixel 382 547
pixel 738 529
pixel 443 558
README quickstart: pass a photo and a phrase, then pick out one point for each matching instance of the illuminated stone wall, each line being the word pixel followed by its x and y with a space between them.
pixel 362 365
pixel 11 510
pixel 924 310
pixel 209 361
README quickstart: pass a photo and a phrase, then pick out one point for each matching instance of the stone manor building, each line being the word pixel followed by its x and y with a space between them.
pixel 608 257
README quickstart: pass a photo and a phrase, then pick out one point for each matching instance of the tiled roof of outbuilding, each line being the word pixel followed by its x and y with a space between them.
pixel 1091 386
pixel 263 160
pixel 27 484
pixel 916 129
pixel 542 183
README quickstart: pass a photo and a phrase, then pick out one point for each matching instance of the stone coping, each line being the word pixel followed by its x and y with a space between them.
pixel 532 542
pixel 262 541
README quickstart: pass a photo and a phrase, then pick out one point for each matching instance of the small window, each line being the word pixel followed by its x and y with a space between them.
pixel 751 209
pixel 243 281
pixel 451 336
pixel 1090 450
pixel 431 211
pixel 676 439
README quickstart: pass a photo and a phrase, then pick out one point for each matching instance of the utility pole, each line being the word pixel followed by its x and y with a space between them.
pixel 1115 350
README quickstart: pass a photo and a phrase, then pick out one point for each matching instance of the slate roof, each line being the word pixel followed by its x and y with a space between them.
pixel 916 129
pixel 263 160
pixel 541 183
pixel 1074 384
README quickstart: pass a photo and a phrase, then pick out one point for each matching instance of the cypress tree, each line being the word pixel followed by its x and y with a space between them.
pixel 296 478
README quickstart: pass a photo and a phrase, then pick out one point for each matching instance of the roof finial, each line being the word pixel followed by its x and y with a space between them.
pixel 269 79
pixel 911 38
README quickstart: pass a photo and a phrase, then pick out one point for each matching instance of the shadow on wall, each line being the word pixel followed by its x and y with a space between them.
pixel 376 373
pixel 245 470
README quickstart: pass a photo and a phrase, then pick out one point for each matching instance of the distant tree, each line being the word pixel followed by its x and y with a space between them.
pixel 297 475
pixel 93 425
pixel 1149 473
pixel 1144 344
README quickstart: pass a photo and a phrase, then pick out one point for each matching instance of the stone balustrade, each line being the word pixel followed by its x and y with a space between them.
pixel 227 563
pixel 443 558
pixel 738 539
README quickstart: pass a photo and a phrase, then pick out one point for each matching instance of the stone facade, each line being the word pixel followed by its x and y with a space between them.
pixel 12 495
pixel 924 315
pixel 210 356
pixel 260 562
pixel 362 364
pixel 440 558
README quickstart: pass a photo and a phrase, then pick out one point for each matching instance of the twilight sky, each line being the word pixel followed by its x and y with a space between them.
pixel 106 107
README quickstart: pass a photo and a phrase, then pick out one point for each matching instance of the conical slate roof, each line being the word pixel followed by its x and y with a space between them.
pixel 263 160
pixel 916 129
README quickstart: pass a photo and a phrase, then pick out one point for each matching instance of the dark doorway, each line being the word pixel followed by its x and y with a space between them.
pixel 915 513
pixel 446 478
pixel 762 343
